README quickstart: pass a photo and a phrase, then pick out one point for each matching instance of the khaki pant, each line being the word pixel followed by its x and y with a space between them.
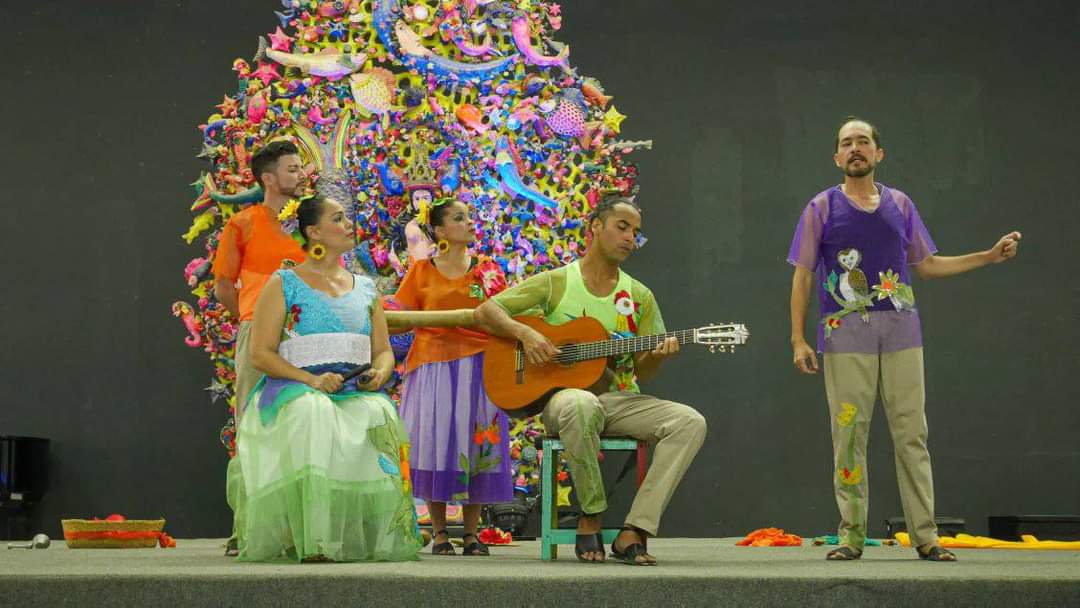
pixel 246 374
pixel 579 418
pixel 246 378
pixel 852 384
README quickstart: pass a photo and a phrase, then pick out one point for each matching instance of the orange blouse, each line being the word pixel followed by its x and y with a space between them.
pixel 252 246
pixel 425 288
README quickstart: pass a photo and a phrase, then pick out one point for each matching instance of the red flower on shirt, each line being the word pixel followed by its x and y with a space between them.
pixel 293 317
pixel 489 277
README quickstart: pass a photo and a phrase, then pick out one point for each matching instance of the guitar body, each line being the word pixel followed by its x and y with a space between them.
pixel 522 389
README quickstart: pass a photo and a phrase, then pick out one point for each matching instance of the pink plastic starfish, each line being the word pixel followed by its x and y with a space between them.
pixel 280 41
pixel 267 73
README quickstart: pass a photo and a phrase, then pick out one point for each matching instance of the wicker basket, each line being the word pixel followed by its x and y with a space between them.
pixel 100 534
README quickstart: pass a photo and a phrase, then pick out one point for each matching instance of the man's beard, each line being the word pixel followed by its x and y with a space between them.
pixel 863 171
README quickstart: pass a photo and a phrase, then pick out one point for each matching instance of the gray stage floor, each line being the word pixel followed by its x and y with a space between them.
pixel 692 572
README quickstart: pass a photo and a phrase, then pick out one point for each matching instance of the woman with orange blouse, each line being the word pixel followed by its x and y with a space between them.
pixel 460 449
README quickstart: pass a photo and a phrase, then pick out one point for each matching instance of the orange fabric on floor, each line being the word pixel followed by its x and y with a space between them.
pixel 252 246
pixel 425 288
pixel 770 537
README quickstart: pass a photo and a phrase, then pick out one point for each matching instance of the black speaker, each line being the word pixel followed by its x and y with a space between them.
pixel 520 518
pixel 23 469
pixel 947 526
pixel 1042 527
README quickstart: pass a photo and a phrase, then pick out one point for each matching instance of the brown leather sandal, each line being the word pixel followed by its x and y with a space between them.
pixel 937 553
pixel 629 554
pixel 843 553
pixel 446 548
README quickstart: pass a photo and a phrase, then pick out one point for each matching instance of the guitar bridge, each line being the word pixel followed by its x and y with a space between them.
pixel 519 364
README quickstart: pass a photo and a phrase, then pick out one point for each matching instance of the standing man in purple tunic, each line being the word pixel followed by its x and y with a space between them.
pixel 861 238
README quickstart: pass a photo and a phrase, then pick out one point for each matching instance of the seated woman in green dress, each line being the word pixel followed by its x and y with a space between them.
pixel 325 459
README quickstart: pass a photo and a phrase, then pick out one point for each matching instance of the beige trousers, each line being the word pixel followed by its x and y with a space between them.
pixel 852 384
pixel 246 374
pixel 246 378
pixel 579 418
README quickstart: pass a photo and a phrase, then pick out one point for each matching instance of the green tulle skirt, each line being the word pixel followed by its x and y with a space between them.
pixel 323 478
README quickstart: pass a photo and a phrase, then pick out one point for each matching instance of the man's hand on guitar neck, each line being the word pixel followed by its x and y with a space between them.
pixel 647 364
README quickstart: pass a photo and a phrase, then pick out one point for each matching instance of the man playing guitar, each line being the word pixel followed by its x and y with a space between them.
pixel 594 286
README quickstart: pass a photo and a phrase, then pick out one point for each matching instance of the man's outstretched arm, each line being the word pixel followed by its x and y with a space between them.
pixel 939 266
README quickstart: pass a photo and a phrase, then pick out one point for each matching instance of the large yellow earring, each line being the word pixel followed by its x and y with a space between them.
pixel 317 251
pixel 444 245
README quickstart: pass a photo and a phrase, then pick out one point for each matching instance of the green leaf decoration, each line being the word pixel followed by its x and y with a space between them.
pixel 463 464
pixel 488 464
pixel 906 294
pixel 384 440
pixel 404 520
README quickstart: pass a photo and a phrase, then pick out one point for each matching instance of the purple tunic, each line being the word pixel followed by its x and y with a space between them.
pixel 862 261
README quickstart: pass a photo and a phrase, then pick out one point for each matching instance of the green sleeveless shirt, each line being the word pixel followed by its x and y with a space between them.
pixel 560 295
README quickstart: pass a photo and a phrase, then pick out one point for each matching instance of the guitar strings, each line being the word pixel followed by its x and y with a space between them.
pixel 571 353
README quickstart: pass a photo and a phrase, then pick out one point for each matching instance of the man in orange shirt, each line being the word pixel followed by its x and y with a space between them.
pixel 252 246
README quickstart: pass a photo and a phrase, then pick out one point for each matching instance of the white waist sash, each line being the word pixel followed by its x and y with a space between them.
pixel 321 349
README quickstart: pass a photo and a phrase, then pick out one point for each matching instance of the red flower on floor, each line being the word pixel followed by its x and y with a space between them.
pixel 495 536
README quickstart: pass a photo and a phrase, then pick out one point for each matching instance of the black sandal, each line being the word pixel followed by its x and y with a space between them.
pixel 446 548
pixel 630 553
pixel 937 553
pixel 843 553
pixel 474 548
pixel 232 547
pixel 589 543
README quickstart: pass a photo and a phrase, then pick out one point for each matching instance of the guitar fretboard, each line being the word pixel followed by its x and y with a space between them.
pixel 601 349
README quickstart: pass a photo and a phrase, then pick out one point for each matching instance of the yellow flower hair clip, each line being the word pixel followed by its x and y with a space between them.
pixel 424 215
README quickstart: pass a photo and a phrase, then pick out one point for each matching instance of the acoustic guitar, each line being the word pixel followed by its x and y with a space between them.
pixel 522 389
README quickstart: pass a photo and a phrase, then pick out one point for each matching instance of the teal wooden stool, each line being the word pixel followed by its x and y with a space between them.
pixel 550 534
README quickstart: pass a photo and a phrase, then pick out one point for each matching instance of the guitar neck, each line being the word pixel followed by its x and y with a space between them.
pixel 613 348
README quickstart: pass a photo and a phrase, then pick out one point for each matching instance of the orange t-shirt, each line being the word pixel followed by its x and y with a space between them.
pixel 252 246
pixel 425 288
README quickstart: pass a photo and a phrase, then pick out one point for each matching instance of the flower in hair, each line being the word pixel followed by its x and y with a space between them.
pixel 423 213
pixel 290 220
pixel 290 223
pixel 288 211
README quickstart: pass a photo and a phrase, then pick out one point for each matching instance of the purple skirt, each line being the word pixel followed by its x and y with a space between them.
pixel 460 439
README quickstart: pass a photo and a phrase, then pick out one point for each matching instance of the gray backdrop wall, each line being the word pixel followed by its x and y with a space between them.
pixel 977 103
